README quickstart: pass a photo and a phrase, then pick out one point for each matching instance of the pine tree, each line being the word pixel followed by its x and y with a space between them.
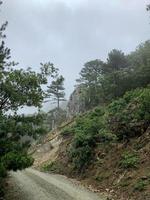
pixel 56 92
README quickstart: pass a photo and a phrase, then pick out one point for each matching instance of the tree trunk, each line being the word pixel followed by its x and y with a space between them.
pixel 58 103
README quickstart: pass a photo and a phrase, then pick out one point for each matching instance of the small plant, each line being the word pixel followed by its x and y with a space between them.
pixel 51 167
pixel 67 131
pixel 106 136
pixel 103 176
pixel 124 183
pixel 129 160
pixel 99 178
pixel 140 185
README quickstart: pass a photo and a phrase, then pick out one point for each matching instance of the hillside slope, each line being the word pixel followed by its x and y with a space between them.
pixel 107 148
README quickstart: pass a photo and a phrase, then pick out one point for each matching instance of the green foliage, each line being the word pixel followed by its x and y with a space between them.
pixel 99 178
pixel 116 60
pixel 122 119
pixel 140 185
pixel 52 167
pixel 103 176
pixel 56 91
pixel 90 83
pixel 101 82
pixel 129 116
pixel 67 131
pixel 80 156
pixel 106 136
pixel 114 75
pixel 124 183
pixel 88 131
pixel 129 160
pixel 3 171
pixel 15 161
pixel 19 88
pixel 126 117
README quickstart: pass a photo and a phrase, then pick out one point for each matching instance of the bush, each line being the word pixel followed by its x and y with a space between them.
pixel 16 161
pixel 3 172
pixel 86 137
pixel 80 156
pixel 67 131
pixel 129 116
pixel 124 118
pixel 124 183
pixel 106 136
pixel 140 185
pixel 48 167
pixel 129 160
pixel 52 167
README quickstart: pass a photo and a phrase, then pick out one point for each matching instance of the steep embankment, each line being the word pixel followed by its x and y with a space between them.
pixel 107 148
pixel 47 150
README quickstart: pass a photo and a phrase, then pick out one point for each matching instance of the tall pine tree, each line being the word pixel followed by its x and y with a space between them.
pixel 56 92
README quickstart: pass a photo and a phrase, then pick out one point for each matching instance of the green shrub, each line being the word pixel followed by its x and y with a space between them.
pixel 67 131
pixel 85 138
pixel 124 118
pixel 124 183
pixel 140 185
pixel 80 156
pixel 129 116
pixel 15 161
pixel 106 136
pixel 3 172
pixel 99 178
pixel 129 160
pixel 102 177
pixel 51 167
pixel 48 167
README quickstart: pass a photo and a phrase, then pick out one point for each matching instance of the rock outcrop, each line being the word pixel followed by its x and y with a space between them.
pixel 76 104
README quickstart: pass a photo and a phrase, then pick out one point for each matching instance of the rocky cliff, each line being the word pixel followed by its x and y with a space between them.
pixel 75 104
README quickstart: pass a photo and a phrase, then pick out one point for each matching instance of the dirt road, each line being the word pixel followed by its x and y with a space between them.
pixel 34 185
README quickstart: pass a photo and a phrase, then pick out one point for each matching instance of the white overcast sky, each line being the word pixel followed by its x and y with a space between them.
pixel 72 32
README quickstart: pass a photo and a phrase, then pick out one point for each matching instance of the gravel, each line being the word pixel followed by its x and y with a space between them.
pixel 34 185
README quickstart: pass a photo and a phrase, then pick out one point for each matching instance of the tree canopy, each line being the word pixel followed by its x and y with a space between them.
pixel 55 91
pixel 19 88
pixel 101 82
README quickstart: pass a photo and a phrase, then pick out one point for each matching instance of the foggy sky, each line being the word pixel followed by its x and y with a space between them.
pixel 72 32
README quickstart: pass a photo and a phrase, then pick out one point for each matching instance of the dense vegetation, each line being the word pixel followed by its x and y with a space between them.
pixel 116 93
pixel 121 120
pixel 19 88
pixel 101 82
pixel 120 88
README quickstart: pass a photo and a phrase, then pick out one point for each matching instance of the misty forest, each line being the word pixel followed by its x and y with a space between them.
pixel 98 135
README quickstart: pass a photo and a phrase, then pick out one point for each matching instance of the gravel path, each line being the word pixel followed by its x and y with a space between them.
pixel 34 185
